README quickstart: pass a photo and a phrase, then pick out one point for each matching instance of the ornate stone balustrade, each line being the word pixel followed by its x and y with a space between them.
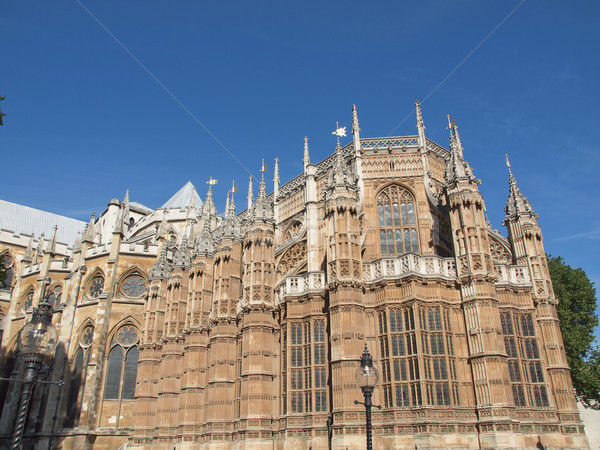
pixel 514 275
pixel 410 264
pixel 301 284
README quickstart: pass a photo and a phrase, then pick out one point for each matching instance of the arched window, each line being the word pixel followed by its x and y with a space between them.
pixel 27 301
pixel 8 266
pixel 122 364
pixel 55 295
pixel 96 286
pixel 79 372
pixel 133 286
pixel 397 221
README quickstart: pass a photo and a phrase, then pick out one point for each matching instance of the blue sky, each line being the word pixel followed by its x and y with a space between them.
pixel 85 121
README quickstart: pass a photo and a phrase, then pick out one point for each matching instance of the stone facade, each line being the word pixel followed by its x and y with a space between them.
pixel 183 329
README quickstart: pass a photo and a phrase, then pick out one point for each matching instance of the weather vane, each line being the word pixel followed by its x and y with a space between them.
pixel 339 131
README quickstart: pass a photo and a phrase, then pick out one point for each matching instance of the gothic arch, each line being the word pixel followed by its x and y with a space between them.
pixel 92 287
pixel 53 293
pixel 122 356
pixel 26 299
pixel 397 220
pixel 133 282
pixel 79 362
pixel 291 261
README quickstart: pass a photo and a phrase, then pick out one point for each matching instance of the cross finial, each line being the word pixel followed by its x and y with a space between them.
pixel 211 181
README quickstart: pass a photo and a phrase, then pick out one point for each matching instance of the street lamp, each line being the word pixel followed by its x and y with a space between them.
pixel 37 339
pixel 366 379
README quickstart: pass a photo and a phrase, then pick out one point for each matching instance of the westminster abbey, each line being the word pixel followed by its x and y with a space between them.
pixel 180 328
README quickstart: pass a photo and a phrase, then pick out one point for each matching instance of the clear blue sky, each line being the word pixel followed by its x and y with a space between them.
pixel 85 122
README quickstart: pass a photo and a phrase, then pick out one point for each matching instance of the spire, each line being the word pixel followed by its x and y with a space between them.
pixel 420 124
pixel 306 155
pixel 90 233
pixel 209 208
pixel 162 267
pixel 231 205
pixel 39 250
pixel 262 208
pixel 517 204
pixel 162 229
pixel 125 206
pixel 205 245
pixel 27 257
pixel 182 258
pixel 276 179
pixel 77 244
pixel 457 168
pixel 250 193
pixel 356 130
pixel 51 247
pixel 231 225
pixel 341 174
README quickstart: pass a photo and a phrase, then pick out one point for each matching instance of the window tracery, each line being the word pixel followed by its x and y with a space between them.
pixel 55 295
pixel 411 377
pixel 133 286
pixel 308 367
pixel 79 375
pixel 121 369
pixel 96 286
pixel 397 221
pixel 27 300
pixel 524 363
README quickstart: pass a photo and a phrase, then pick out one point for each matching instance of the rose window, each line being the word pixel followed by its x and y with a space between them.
pixel 134 286
pixel 87 336
pixel 127 336
pixel 96 287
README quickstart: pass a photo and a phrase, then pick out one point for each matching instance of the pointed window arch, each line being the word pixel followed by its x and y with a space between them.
pixel 27 300
pixel 94 285
pixel 133 284
pixel 54 295
pixel 397 219
pixel 122 364
pixel 78 376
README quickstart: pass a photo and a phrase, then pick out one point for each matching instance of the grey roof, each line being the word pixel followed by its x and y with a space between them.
pixel 182 198
pixel 138 207
pixel 25 220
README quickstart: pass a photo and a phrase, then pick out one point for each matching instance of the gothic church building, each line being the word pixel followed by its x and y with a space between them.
pixel 180 328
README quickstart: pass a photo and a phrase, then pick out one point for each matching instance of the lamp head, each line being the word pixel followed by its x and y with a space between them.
pixel 39 336
pixel 367 375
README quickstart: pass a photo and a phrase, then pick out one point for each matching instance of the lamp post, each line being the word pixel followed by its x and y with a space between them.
pixel 37 339
pixel 367 377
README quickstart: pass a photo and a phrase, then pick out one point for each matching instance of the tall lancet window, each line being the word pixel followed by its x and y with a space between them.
pixel 397 221
pixel 122 364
